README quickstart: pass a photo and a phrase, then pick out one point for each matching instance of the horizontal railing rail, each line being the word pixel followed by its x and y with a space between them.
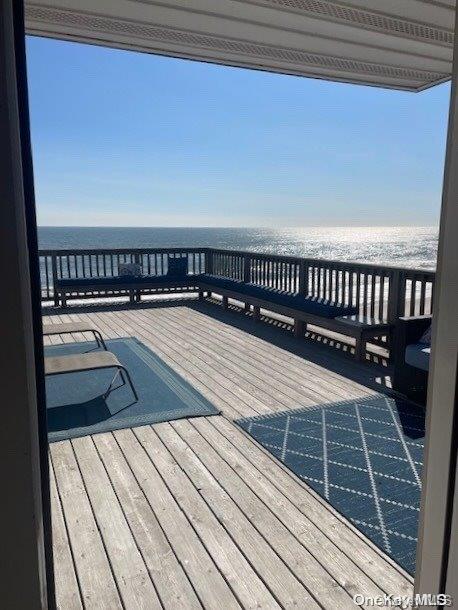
pixel 333 262
pixel 379 291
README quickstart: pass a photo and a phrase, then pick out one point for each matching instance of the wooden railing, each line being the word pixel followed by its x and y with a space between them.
pixel 379 291
pixel 75 264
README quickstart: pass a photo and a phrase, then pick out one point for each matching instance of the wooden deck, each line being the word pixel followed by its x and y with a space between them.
pixel 193 513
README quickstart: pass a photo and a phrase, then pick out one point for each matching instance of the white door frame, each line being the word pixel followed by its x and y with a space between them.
pixel 25 539
pixel 437 568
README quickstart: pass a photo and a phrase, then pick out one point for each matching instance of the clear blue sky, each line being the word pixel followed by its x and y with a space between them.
pixel 127 139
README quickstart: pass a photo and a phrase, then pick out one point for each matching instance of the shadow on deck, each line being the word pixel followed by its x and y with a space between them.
pixel 324 348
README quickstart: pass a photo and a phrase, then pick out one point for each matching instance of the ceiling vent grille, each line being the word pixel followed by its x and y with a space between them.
pixel 260 52
pixel 374 21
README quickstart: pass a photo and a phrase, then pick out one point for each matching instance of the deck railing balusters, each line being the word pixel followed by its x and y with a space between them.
pixel 344 286
pixel 54 278
pixel 382 291
pixel 381 298
pixel 422 296
pixel 302 278
pixel 364 287
pixel 373 295
pixel 413 288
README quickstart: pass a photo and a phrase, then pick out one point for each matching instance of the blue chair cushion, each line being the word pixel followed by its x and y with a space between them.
pixel 426 337
pixel 417 355
pixel 312 305
pixel 121 281
pixel 177 266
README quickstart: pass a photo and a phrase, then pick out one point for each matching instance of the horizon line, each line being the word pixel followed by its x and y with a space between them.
pixel 396 226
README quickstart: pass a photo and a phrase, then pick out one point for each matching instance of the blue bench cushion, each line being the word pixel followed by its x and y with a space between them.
pixel 177 266
pixel 122 281
pixel 417 355
pixel 312 305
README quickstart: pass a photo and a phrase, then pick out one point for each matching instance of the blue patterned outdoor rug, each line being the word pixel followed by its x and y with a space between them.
pixel 363 456
pixel 76 405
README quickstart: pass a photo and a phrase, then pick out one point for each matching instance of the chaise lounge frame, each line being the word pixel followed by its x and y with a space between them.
pixel 67 328
pixel 77 363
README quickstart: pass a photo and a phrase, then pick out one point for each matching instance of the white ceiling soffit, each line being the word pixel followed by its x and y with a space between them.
pixel 402 44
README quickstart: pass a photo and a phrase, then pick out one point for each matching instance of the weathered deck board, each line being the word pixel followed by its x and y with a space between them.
pixel 318 581
pixel 277 575
pixel 232 383
pixel 243 580
pixel 209 583
pixel 240 340
pixel 67 589
pixel 193 513
pixel 173 586
pixel 92 563
pixel 196 369
pixel 258 391
pixel 132 578
pixel 258 369
pixel 304 530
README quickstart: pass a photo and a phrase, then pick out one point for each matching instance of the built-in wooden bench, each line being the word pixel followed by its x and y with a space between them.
pixel 304 310
pixel 326 314
pixel 74 288
pixel 363 328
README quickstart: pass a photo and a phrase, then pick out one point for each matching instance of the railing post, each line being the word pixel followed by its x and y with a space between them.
pixel 303 278
pixel 396 298
pixel 138 293
pixel 54 279
pixel 246 268
pixel 299 325
pixel 209 262
pixel 246 280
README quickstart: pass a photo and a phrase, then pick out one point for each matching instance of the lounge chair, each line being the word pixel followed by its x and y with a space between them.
pixel 77 363
pixel 74 327
pixel 411 356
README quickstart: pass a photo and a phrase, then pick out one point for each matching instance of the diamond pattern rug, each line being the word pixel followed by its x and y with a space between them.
pixel 363 456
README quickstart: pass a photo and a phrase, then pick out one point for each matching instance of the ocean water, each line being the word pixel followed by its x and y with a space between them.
pixel 413 247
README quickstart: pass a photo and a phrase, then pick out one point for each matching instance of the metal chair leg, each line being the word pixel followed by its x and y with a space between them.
pixel 134 392
pixel 124 374
pixel 121 372
pixel 100 340
pixel 110 386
